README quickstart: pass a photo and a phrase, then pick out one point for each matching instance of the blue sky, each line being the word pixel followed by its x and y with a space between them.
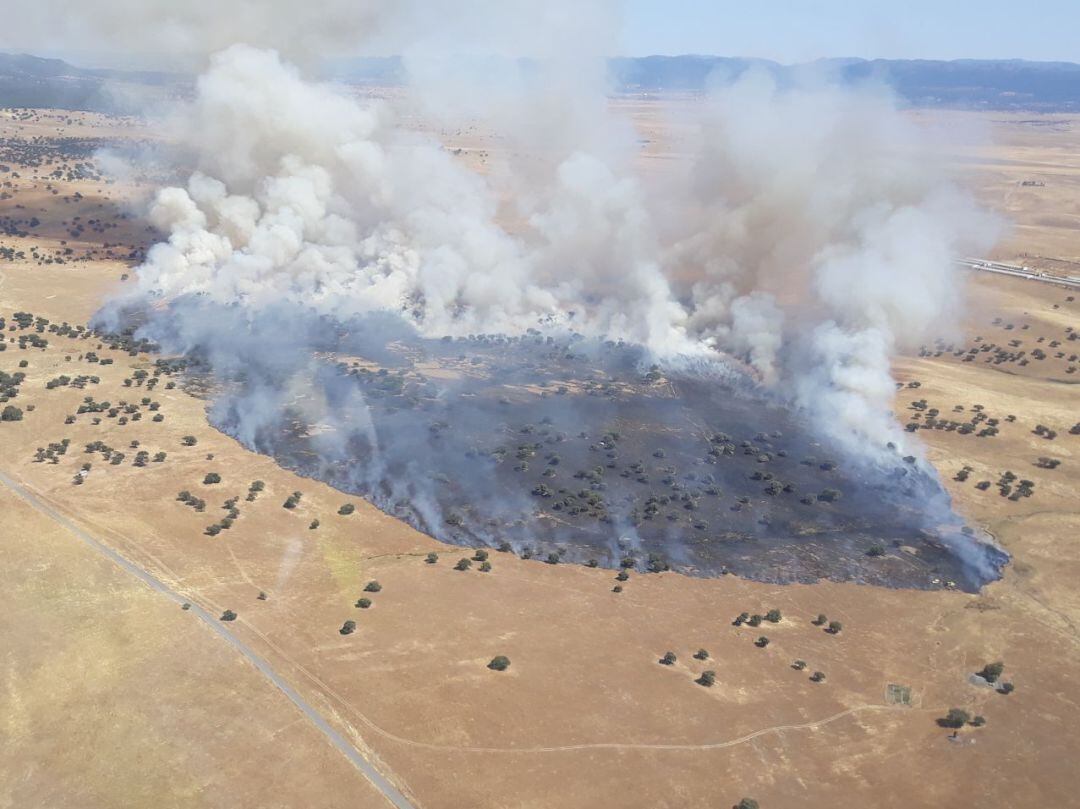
pixel 799 30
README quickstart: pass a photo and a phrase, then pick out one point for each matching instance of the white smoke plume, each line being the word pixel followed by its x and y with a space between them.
pixel 810 237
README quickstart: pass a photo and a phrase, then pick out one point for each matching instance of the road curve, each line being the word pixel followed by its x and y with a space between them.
pixel 388 790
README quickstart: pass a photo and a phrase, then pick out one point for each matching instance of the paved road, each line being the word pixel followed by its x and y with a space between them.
pixel 1016 271
pixel 391 793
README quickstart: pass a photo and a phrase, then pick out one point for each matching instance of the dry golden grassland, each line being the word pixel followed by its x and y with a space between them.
pixel 114 696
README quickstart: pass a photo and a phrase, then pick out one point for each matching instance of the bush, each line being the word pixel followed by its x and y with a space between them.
pixel 211 478
pixel 431 558
pixel 755 620
pixel 821 620
pixel 617 588
pixel 314 524
pixel 761 642
pixel 834 627
pixel 773 616
pixel 1006 688
pixel 480 556
pixel 348 628
pixel 485 567
pixel 955 718
pixel 799 665
pixel 991 671
pixel 622 575
pixel 817 677
pixel 978 721
pixel 372 587
pixel 189 440
pixel 707 679
pixel 499 663
pixel 463 564
pixel 228 615
pixel 346 509
pixel 668 659
pixel 11 413
pixel 363 603
pixel 701 654
pixel 746 803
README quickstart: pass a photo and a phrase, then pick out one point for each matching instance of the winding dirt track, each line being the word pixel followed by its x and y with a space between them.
pixel 392 794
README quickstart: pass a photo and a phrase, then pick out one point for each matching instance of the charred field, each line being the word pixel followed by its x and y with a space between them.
pixel 578 451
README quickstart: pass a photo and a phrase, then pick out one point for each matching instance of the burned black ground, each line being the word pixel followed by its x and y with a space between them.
pixel 575 451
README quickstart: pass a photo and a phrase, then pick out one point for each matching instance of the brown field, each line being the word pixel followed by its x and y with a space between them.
pixel 113 696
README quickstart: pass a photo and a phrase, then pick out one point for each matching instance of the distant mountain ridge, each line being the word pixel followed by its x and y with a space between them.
pixel 33 81
pixel 963 83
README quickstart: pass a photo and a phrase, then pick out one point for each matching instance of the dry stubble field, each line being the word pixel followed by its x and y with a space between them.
pixel 113 696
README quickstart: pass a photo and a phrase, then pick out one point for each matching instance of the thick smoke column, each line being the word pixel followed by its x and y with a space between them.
pixel 807 239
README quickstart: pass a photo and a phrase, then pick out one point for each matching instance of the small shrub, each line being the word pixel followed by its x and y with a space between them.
pixel 773 616
pixel 480 556
pixel 189 440
pixel 499 663
pixel 991 671
pixel 955 718
pixel 701 654
pixel 346 509
pixel 761 642
pixel 668 659
pixel 431 558
pixel 799 665
pixel 228 615
pixel 211 478
pixel 372 587
pixel 834 627
pixel 817 677
pixel 707 679
pixel 363 603
pixel 463 564
pixel 348 628
pixel 485 567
